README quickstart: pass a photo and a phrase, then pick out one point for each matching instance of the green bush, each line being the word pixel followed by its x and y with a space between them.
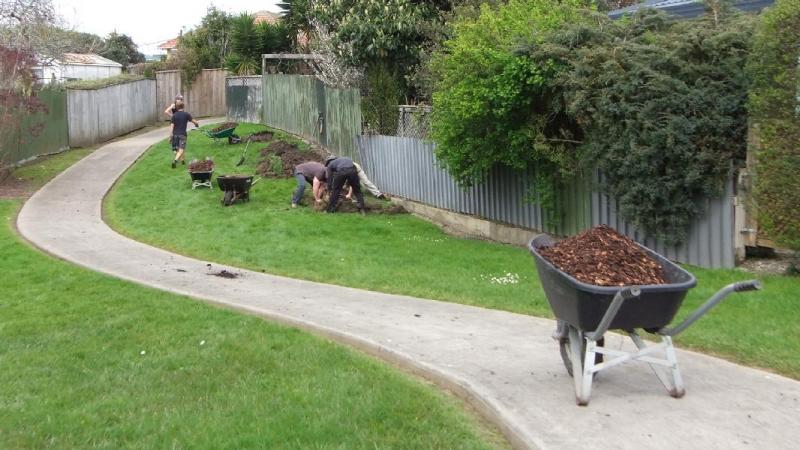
pixel 379 105
pixel 486 108
pixel 662 105
pixel 775 105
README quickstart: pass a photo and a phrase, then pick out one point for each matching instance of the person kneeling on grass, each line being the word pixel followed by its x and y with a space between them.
pixel 179 120
pixel 314 173
pixel 340 170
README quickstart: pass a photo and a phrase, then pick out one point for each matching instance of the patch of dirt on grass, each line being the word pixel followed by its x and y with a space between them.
pixel 281 157
pixel 12 187
pixel 261 136
pixel 371 204
pixel 603 257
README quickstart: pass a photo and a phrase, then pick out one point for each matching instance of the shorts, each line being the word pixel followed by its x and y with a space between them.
pixel 178 142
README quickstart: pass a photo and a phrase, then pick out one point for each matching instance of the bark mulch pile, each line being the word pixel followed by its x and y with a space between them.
pixel 603 257
pixel 224 126
pixel 206 165
pixel 261 136
pixel 280 158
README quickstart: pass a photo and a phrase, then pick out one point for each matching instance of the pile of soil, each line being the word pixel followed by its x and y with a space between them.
pixel 224 126
pixel 603 257
pixel 371 205
pixel 261 136
pixel 201 166
pixel 289 155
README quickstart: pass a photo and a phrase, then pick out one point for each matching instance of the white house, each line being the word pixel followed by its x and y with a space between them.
pixel 77 66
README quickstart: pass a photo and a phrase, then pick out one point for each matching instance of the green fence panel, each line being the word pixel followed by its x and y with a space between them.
pixel 39 133
pixel 294 103
pixel 342 120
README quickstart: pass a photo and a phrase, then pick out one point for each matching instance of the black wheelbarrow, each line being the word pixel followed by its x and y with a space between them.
pixel 585 312
pixel 236 187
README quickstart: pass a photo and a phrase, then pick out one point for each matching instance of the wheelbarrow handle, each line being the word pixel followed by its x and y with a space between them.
pixel 742 286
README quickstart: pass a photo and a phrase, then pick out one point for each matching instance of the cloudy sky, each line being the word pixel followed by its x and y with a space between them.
pixel 148 22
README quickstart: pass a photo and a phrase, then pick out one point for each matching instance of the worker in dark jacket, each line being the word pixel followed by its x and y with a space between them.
pixel 340 170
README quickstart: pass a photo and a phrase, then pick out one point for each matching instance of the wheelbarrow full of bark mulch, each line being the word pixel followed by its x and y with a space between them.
pixel 236 187
pixel 600 281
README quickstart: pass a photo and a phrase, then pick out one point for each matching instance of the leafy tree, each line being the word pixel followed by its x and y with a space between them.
pixel 249 41
pixel 485 108
pixel 775 106
pixel 206 46
pixel 121 48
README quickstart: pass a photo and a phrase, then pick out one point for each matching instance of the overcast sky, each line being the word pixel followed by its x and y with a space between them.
pixel 148 22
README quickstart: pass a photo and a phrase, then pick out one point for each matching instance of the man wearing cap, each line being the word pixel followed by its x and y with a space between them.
pixel 338 171
pixel 311 172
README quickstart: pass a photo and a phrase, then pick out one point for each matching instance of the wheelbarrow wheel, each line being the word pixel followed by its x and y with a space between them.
pixel 228 199
pixel 566 353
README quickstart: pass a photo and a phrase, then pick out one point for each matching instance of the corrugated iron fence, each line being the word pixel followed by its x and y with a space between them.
pixel 303 105
pixel 37 133
pixel 243 98
pixel 407 167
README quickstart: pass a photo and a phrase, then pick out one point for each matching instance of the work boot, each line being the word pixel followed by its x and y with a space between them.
pixel 174 163
pixel 362 211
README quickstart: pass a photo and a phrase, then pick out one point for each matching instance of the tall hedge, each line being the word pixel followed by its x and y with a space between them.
pixel 775 107
pixel 662 104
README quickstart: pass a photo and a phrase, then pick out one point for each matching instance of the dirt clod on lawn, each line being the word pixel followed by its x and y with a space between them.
pixel 603 257
pixel 224 126
pixel 280 158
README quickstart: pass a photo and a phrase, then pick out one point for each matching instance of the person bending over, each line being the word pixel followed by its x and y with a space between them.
pixel 311 172
pixel 338 171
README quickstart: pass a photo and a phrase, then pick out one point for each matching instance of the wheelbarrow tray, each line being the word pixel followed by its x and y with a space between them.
pixel 201 176
pixel 583 305
pixel 227 132
pixel 236 183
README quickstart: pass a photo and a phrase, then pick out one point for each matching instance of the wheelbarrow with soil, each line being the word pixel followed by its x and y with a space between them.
pixel 585 312
pixel 201 172
pixel 224 131
pixel 236 187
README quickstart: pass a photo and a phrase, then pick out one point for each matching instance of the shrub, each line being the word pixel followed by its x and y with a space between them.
pixel 775 105
pixel 486 97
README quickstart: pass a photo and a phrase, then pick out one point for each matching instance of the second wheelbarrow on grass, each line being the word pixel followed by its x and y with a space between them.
pixel 586 312
pixel 236 187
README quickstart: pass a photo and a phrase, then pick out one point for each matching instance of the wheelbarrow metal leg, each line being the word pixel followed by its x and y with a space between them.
pixel 673 382
pixel 583 384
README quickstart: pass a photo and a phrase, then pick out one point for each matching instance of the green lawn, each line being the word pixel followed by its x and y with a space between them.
pixel 91 361
pixel 405 255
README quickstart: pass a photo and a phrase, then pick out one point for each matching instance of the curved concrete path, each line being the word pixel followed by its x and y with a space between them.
pixel 504 364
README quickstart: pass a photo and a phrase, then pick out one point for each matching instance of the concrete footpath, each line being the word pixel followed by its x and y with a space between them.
pixel 504 364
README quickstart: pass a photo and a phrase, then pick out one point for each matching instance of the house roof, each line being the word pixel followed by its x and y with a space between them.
pixel 688 8
pixel 169 45
pixel 266 16
pixel 87 59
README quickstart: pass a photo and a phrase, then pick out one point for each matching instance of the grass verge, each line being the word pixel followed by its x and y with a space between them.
pixel 92 361
pixel 405 255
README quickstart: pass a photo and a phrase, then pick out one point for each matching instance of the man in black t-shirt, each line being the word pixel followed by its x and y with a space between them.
pixel 179 121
